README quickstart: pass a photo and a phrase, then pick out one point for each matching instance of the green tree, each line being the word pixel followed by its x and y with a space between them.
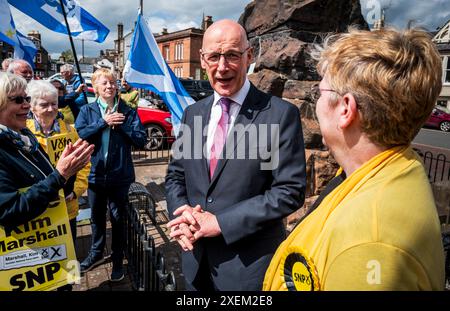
pixel 68 56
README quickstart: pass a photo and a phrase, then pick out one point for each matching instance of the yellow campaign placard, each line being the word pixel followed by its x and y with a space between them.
pixel 39 255
pixel 57 143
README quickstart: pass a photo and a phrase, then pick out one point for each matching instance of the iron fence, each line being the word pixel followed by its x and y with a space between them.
pixel 155 152
pixel 146 265
pixel 437 166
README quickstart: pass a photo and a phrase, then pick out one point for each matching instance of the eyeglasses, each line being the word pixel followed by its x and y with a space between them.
pixel 20 99
pixel 317 89
pixel 233 57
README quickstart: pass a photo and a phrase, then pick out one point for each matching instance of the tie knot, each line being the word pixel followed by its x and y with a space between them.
pixel 225 103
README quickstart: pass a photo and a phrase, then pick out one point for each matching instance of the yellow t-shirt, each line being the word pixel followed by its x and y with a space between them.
pixel 81 181
pixel 382 234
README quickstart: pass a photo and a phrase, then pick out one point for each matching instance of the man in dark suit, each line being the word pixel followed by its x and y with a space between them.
pixel 230 187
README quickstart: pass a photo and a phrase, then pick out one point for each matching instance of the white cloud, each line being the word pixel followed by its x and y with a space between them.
pixel 180 14
pixel 171 14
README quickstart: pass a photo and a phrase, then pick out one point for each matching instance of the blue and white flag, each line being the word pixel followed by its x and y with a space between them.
pixel 24 48
pixel 146 68
pixel 49 13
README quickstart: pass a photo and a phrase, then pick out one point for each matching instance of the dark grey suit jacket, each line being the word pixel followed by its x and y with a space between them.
pixel 249 200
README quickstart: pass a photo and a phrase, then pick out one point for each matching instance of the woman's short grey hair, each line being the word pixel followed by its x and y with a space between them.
pixel 9 84
pixel 39 88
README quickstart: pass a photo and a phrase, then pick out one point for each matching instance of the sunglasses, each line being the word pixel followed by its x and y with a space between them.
pixel 20 99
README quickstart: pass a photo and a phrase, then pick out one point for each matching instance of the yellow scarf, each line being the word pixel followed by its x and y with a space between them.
pixel 307 232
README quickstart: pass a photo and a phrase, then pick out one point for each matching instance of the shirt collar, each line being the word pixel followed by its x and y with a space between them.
pixel 103 105
pixel 237 97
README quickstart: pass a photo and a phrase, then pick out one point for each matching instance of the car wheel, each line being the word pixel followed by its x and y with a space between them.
pixel 445 126
pixel 155 137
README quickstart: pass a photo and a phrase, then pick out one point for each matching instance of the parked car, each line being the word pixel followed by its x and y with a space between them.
pixel 439 118
pixel 198 89
pixel 86 76
pixel 158 125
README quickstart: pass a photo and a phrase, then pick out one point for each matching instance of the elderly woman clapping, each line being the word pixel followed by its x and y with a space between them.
pixel 24 164
pixel 45 124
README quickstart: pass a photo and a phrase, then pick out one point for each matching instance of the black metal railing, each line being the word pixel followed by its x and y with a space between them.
pixel 146 265
pixel 437 166
pixel 154 153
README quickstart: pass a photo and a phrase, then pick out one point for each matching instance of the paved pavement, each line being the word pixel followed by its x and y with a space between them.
pixel 433 137
pixel 98 279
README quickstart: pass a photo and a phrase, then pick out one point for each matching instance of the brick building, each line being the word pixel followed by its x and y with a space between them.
pixel 442 40
pixel 179 49
pixel 42 60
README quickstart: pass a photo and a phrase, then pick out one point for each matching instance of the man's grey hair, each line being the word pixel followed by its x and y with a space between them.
pixel 16 63
pixel 67 67
pixel 5 63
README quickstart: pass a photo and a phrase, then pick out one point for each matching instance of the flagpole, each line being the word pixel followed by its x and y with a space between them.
pixel 73 47
pixel 142 7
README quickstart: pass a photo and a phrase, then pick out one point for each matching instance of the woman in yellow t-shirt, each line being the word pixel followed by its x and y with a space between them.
pixel 376 227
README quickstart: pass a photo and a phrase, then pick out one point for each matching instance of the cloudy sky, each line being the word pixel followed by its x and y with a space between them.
pixel 181 14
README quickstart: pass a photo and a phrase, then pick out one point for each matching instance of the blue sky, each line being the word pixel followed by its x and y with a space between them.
pixel 181 14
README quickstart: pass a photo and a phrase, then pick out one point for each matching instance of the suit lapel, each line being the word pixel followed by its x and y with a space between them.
pixel 250 109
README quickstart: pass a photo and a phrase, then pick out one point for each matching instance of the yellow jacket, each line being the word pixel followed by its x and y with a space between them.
pixel 378 230
pixel 81 181
pixel 131 98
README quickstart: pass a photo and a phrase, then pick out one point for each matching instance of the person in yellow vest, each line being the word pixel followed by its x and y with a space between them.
pixel 376 226
pixel 128 94
pixel 46 123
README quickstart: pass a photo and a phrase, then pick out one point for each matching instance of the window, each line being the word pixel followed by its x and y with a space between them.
pixel 10 54
pixel 38 58
pixel 179 51
pixel 442 103
pixel 197 74
pixel 446 68
pixel 166 52
pixel 178 71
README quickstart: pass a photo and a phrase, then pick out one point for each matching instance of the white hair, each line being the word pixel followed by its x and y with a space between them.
pixel 40 88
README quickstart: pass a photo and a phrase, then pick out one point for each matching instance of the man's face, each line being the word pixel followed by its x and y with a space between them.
pixel 24 71
pixel 227 73
pixel 67 74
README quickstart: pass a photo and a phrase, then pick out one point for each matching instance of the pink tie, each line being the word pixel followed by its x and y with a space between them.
pixel 220 135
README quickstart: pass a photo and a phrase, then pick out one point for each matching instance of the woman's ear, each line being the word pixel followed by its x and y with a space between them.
pixel 348 110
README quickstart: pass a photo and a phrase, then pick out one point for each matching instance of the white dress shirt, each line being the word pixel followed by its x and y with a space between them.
pixel 216 112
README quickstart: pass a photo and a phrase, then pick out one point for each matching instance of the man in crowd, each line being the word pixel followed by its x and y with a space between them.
pixel 73 82
pixel 229 208
pixel 5 63
pixel 128 94
pixel 21 68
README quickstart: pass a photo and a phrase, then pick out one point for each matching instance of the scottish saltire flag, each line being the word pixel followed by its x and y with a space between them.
pixel 7 29
pixel 24 48
pixel 146 68
pixel 49 13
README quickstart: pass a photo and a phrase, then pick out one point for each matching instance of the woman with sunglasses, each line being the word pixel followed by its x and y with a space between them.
pixel 24 164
